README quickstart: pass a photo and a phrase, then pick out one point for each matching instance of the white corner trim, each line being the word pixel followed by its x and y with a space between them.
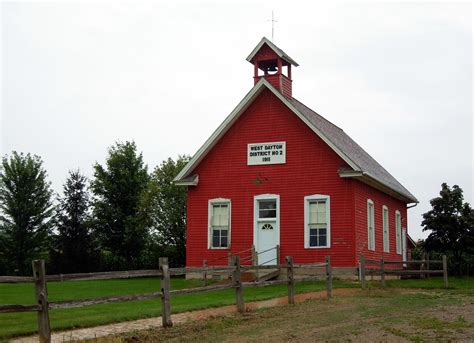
pixel 307 200
pixel 209 226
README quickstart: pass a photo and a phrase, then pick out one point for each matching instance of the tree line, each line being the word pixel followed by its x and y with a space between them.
pixel 125 217
pixel 451 225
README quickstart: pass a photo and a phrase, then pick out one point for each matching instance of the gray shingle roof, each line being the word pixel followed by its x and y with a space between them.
pixel 351 149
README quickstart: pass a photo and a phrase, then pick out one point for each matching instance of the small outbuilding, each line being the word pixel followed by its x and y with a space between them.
pixel 277 176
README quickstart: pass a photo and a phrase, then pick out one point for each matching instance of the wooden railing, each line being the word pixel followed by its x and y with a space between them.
pixel 384 267
pixel 164 273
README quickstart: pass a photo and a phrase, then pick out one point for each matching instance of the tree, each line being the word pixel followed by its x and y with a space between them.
pixel 73 248
pixel 25 212
pixel 121 217
pixel 170 208
pixel 451 222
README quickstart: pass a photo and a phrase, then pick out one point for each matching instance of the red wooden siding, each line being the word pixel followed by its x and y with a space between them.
pixel 362 193
pixel 280 82
pixel 311 168
pixel 265 53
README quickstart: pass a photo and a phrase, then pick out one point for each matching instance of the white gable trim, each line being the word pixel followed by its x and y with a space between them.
pixel 222 129
pixel 234 115
pixel 272 46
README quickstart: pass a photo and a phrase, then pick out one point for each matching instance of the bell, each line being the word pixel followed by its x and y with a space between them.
pixel 272 68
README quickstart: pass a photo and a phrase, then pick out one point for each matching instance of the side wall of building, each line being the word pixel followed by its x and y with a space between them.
pixel 311 168
pixel 362 193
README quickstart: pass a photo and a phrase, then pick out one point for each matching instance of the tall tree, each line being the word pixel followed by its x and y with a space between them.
pixel 25 211
pixel 170 207
pixel 451 222
pixel 73 249
pixel 119 207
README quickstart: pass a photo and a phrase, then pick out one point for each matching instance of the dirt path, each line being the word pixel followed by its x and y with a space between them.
pixel 143 324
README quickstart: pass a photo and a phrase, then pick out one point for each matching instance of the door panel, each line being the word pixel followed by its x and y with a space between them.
pixel 267 238
pixel 267 231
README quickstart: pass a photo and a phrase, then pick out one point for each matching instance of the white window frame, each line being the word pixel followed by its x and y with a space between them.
pixel 398 231
pixel 211 203
pixel 307 200
pixel 370 203
pixel 385 229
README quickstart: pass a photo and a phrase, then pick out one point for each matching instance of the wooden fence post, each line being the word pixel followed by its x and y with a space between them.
pixel 382 272
pixel 254 256
pixel 239 294
pixel 291 279
pixel 423 266
pixel 165 283
pixel 277 248
pixel 445 271
pixel 204 274
pixel 428 265
pixel 362 271
pixel 41 293
pixel 329 276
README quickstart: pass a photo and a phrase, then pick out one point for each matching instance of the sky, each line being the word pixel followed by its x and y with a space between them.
pixel 396 76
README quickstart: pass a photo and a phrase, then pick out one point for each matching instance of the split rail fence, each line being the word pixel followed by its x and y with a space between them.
pixel 384 267
pixel 235 269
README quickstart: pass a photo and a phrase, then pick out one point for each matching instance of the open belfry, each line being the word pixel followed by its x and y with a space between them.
pixel 278 179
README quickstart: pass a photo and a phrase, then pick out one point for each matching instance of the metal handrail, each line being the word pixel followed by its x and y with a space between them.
pixel 231 254
pixel 273 259
pixel 263 251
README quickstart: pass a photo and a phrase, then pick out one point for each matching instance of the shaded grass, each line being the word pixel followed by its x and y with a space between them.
pixel 14 324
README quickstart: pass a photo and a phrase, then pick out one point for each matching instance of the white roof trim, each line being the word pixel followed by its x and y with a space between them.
pixel 364 175
pixel 190 181
pixel 272 46
pixel 219 132
pixel 234 115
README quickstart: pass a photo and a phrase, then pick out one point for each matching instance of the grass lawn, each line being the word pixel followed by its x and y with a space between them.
pixel 15 324
pixel 425 313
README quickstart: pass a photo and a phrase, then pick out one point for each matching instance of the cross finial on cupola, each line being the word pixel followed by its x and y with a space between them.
pixel 270 59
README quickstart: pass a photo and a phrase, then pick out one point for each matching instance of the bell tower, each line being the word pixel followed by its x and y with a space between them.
pixel 273 64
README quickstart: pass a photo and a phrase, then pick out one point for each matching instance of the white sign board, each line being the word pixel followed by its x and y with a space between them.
pixel 266 153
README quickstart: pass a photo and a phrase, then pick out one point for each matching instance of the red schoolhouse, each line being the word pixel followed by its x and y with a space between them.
pixel 276 173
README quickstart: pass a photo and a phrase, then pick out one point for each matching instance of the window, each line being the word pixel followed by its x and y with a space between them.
pixel 317 221
pixel 267 209
pixel 370 225
pixel 398 230
pixel 386 242
pixel 219 223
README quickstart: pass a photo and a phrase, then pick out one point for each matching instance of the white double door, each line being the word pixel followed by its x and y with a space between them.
pixel 266 228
